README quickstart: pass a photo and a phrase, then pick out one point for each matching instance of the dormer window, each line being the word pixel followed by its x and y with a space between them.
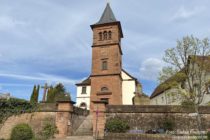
pixel 110 35
pixel 104 89
pixel 100 36
pixel 105 35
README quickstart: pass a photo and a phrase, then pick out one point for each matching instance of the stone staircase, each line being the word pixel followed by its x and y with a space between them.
pixel 86 127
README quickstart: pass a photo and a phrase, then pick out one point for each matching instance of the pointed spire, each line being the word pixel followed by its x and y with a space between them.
pixel 107 16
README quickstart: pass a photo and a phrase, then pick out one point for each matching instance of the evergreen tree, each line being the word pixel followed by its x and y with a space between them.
pixel 37 94
pixel 33 95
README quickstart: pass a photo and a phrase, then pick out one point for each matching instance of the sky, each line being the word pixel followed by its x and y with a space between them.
pixel 49 41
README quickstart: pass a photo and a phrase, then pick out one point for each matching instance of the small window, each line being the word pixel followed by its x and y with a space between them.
pixel 104 65
pixel 110 35
pixel 100 36
pixel 162 99
pixel 84 90
pixel 105 35
pixel 104 89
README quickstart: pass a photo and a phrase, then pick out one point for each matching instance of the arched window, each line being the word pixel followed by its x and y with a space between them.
pixel 110 35
pixel 104 89
pixel 104 65
pixel 105 35
pixel 83 105
pixel 100 36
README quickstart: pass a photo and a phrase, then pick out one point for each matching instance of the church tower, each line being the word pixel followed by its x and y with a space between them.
pixel 106 80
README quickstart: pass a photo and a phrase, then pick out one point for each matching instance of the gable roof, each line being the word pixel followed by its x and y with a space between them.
pixel 129 74
pixel 107 16
pixel 133 78
pixel 85 82
pixel 167 84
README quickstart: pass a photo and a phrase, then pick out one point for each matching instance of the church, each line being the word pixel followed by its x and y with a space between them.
pixel 108 81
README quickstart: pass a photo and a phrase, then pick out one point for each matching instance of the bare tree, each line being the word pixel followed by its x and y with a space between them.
pixel 192 61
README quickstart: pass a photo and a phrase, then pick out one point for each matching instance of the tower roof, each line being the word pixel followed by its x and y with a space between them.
pixel 107 16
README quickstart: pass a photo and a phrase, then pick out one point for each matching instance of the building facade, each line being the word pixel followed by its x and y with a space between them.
pixel 108 81
pixel 165 95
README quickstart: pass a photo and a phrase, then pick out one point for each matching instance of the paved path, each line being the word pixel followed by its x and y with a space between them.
pixel 77 138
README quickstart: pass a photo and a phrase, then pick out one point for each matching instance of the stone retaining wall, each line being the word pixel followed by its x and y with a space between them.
pixel 72 117
pixel 126 136
pixel 35 120
pixel 153 117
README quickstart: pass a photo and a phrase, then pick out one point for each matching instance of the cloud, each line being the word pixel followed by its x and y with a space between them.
pixel 150 68
pixel 15 85
pixel 183 13
pixel 9 23
pixel 40 77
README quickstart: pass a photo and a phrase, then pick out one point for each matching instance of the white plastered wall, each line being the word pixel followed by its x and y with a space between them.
pixel 128 88
pixel 83 98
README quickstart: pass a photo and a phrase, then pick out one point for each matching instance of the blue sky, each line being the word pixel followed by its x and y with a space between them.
pixel 50 40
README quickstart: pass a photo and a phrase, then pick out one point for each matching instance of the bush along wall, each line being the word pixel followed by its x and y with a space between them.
pixel 116 125
pixel 14 107
pixel 22 132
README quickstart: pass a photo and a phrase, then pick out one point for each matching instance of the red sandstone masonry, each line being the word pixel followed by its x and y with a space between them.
pixel 98 128
pixel 63 118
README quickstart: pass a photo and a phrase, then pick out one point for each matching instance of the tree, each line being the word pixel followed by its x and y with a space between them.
pixel 166 73
pixel 191 58
pixel 57 93
pixel 35 95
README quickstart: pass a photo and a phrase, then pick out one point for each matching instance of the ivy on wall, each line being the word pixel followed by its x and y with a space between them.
pixel 14 107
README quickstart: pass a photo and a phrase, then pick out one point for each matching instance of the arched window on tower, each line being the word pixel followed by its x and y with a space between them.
pixel 104 89
pixel 100 36
pixel 105 35
pixel 110 35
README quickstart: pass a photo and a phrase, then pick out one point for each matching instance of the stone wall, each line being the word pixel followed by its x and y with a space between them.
pixel 153 117
pixel 126 136
pixel 72 116
pixel 35 120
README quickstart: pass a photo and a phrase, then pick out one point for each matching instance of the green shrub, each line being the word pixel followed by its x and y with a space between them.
pixel 116 125
pixel 208 135
pixel 168 124
pixel 48 130
pixel 22 132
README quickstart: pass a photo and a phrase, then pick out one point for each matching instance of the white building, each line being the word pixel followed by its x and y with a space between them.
pixel 129 84
pixel 164 95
